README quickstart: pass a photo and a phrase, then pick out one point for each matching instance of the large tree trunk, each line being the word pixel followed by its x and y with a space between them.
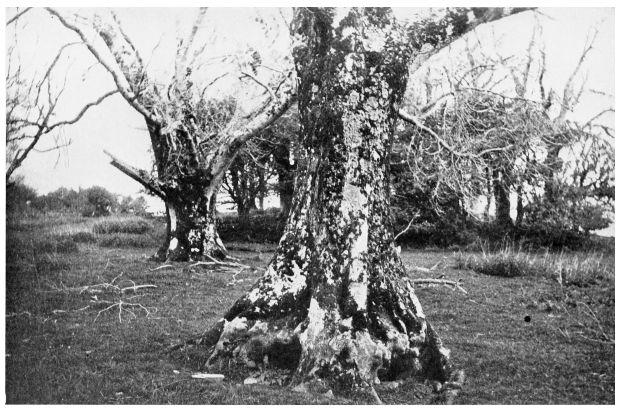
pixel 189 192
pixel 502 201
pixel 285 190
pixel 191 232
pixel 285 171
pixel 335 306
pixel 520 208
pixel 553 167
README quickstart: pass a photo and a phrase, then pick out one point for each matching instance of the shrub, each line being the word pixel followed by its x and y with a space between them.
pixel 129 205
pixel 129 226
pixel 126 240
pixel 100 201
pixel 260 227
pixel 581 269
pixel 504 264
pixel 19 196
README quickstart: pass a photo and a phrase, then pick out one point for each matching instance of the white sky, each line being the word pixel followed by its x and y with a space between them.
pixel 116 127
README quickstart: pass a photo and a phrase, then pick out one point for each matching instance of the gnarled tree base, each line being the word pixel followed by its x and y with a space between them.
pixel 292 341
pixel 191 236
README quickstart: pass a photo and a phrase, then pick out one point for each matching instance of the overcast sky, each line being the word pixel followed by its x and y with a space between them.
pixel 117 127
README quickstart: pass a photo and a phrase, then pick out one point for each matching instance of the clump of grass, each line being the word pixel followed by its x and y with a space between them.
pixel 83 237
pixel 506 264
pixel 56 244
pixel 125 240
pixel 49 264
pixel 577 269
pixel 128 226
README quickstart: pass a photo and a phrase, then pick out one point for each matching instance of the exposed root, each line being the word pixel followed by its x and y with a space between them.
pixel 451 388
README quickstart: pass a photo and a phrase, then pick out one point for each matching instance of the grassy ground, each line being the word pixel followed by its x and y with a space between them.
pixel 523 339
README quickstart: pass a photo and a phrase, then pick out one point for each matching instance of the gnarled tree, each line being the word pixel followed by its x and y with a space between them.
pixel 334 305
pixel 194 137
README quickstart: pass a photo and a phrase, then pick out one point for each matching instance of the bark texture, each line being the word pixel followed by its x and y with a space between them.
pixel 334 305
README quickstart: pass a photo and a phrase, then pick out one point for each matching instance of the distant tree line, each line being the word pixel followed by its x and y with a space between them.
pixel 95 201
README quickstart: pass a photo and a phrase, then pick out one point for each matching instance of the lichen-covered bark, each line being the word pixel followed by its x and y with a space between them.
pixel 334 302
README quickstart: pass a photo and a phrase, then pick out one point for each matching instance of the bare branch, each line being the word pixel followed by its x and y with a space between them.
pixel 81 113
pixel 120 79
pixel 260 83
pixel 17 16
pixel 141 176
pixel 413 120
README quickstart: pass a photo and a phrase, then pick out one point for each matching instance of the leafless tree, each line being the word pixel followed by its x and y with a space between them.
pixel 487 123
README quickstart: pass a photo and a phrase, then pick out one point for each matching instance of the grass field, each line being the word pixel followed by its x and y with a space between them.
pixel 524 338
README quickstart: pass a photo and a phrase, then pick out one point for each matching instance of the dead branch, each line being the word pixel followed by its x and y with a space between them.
pixel 123 306
pixel 81 113
pixel 423 269
pixel 161 267
pixel 434 281
pixel 22 313
pixel 216 263
pixel 141 176
pixel 120 304
pixel 415 216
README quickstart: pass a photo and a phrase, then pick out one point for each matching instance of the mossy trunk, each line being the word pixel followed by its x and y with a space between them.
pixel 334 305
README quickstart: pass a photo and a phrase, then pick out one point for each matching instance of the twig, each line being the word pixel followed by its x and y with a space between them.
pixel 23 313
pixel 215 262
pixel 161 267
pixel 120 305
pixel 415 216
pixel 423 269
pixel 123 305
